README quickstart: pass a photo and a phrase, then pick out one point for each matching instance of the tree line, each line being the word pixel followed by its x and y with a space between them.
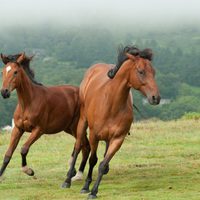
pixel 63 55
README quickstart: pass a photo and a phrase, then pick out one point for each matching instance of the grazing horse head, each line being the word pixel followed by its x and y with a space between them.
pixel 140 72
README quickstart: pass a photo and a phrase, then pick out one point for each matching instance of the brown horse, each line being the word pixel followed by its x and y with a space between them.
pixel 40 110
pixel 106 106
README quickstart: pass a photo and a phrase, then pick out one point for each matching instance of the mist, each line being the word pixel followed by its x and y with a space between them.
pixel 99 12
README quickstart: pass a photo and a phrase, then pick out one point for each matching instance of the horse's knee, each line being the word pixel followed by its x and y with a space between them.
pixel 106 169
pixel 103 168
pixel 24 151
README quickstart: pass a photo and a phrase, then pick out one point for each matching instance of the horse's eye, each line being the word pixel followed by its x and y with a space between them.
pixel 141 72
pixel 15 72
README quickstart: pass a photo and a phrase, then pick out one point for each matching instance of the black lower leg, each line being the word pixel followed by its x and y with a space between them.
pixel 67 182
pixel 82 165
pixel 107 166
pixel 25 169
pixel 88 180
pixel 74 171
pixel 4 165
pixel 85 155
pixel 94 191
pixel 24 153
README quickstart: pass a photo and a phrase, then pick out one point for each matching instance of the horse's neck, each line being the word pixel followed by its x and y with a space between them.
pixel 25 91
pixel 120 89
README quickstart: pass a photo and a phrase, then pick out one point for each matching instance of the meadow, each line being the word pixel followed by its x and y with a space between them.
pixel 158 160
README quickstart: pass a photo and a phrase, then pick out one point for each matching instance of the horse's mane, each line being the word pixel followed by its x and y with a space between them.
pixel 122 57
pixel 26 66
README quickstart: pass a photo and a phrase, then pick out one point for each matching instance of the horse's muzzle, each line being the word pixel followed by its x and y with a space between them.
pixel 5 93
pixel 154 100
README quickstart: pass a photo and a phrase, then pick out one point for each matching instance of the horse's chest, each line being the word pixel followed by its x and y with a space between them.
pixel 28 126
pixel 25 123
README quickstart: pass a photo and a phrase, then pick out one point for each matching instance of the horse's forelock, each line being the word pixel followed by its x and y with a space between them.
pixel 122 57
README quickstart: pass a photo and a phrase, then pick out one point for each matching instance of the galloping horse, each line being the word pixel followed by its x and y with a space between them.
pixel 40 110
pixel 106 106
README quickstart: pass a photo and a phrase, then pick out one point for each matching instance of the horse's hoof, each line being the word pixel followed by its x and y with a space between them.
pixel 85 191
pixel 65 185
pixel 28 171
pixel 92 196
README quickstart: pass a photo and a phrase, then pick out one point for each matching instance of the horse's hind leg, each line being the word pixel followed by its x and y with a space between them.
pixel 107 167
pixel 85 154
pixel 92 162
pixel 70 162
pixel 81 130
pixel 14 140
pixel 114 146
pixel 24 151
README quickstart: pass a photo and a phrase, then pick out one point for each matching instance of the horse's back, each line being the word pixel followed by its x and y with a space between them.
pixel 94 78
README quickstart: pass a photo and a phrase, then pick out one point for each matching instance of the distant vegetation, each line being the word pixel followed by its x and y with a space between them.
pixel 63 55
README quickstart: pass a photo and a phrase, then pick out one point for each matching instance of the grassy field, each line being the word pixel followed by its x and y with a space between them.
pixel 159 160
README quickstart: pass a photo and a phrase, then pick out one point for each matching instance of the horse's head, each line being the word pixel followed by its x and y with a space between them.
pixel 142 75
pixel 11 74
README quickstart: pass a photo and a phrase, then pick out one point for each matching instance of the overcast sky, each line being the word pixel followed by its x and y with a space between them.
pixel 98 11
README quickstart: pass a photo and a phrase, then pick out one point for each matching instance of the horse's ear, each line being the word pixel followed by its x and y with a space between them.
pixel 21 58
pixel 147 54
pixel 130 56
pixel 31 57
pixel 4 59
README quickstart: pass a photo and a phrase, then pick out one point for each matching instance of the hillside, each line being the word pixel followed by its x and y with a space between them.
pixel 63 54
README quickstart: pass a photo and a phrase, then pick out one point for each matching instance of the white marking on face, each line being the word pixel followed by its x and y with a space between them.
pixel 8 69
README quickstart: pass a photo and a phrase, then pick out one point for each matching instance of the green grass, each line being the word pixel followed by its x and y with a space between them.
pixel 159 160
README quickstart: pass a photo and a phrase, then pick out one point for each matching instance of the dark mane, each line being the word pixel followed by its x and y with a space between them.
pixel 122 57
pixel 26 66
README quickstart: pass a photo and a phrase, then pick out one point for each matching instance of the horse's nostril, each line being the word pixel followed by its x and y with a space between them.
pixel 5 93
pixel 156 99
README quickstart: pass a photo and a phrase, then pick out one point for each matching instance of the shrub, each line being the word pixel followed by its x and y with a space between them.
pixel 191 115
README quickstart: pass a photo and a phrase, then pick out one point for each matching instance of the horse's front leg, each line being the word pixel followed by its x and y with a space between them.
pixel 113 147
pixel 85 154
pixel 14 140
pixel 35 135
